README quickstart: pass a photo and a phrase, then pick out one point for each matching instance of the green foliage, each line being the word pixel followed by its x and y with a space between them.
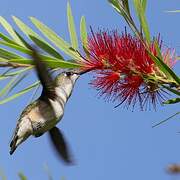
pixel 20 65
pixel 19 93
pixel 22 176
pixel 167 119
pixel 11 32
pixel 172 101
pixel 72 29
pixel 83 32
pixel 140 7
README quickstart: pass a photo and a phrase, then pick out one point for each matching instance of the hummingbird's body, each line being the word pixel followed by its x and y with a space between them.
pixel 44 113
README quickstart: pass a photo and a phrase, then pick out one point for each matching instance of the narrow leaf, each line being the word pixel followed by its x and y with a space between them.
pixel 7 54
pixel 144 4
pixel 172 101
pixel 20 78
pixel 118 5
pixel 165 120
pixel 55 39
pixel 7 39
pixel 23 40
pixel 115 5
pixel 46 47
pixel 29 88
pixel 172 90
pixel 11 31
pixel 52 63
pixel 142 19
pixel 158 50
pixel 12 84
pixel 3 77
pixel 2 175
pixel 8 86
pixel 83 32
pixel 16 47
pixel 72 29
pixel 22 176
pixel 18 72
pixel 173 11
pixel 165 68
pixel 36 38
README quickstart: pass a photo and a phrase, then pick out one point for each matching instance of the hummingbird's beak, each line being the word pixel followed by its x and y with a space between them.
pixel 81 72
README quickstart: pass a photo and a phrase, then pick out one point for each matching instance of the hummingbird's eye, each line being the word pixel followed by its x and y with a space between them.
pixel 69 73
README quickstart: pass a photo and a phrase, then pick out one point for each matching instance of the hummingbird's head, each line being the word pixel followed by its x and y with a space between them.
pixel 66 78
pixel 66 81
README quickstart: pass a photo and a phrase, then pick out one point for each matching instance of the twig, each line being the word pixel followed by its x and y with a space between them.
pixel 14 65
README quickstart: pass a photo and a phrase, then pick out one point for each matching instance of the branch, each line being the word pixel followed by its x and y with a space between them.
pixel 14 65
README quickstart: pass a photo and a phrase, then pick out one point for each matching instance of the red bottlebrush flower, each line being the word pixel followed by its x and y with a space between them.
pixel 124 70
pixel 106 82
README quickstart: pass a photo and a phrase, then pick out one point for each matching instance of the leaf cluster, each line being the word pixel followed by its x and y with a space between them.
pixel 16 49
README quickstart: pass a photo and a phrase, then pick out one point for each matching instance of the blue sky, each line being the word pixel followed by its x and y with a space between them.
pixel 107 143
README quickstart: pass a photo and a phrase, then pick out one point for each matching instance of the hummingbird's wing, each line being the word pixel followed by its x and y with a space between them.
pixel 44 76
pixel 48 92
pixel 60 144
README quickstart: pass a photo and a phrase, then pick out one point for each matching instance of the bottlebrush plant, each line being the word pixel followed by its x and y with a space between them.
pixel 125 69
pixel 129 68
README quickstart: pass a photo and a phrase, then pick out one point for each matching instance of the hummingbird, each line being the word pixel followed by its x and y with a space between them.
pixel 43 114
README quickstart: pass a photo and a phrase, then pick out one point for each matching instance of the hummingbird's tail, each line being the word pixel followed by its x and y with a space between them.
pixel 22 132
pixel 13 145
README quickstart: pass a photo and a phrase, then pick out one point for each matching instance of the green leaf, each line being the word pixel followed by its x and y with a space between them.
pixel 159 54
pixel 15 56
pixel 7 70
pixel 3 77
pixel 29 88
pixel 122 7
pixel 7 39
pixel 115 5
pixel 172 101
pixel 20 78
pixel 83 32
pixel 142 19
pixel 164 68
pixel 46 47
pixel 11 31
pixel 55 39
pixel 165 120
pixel 71 27
pixel 16 47
pixel 173 11
pixel 22 176
pixel 17 72
pixel 7 54
pixel 172 90
pixel 144 4
pixel 2 175
pixel 8 86
pixel 36 38
pixel 12 84
pixel 52 63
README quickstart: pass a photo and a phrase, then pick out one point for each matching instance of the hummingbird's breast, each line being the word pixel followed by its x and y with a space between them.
pixel 45 116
